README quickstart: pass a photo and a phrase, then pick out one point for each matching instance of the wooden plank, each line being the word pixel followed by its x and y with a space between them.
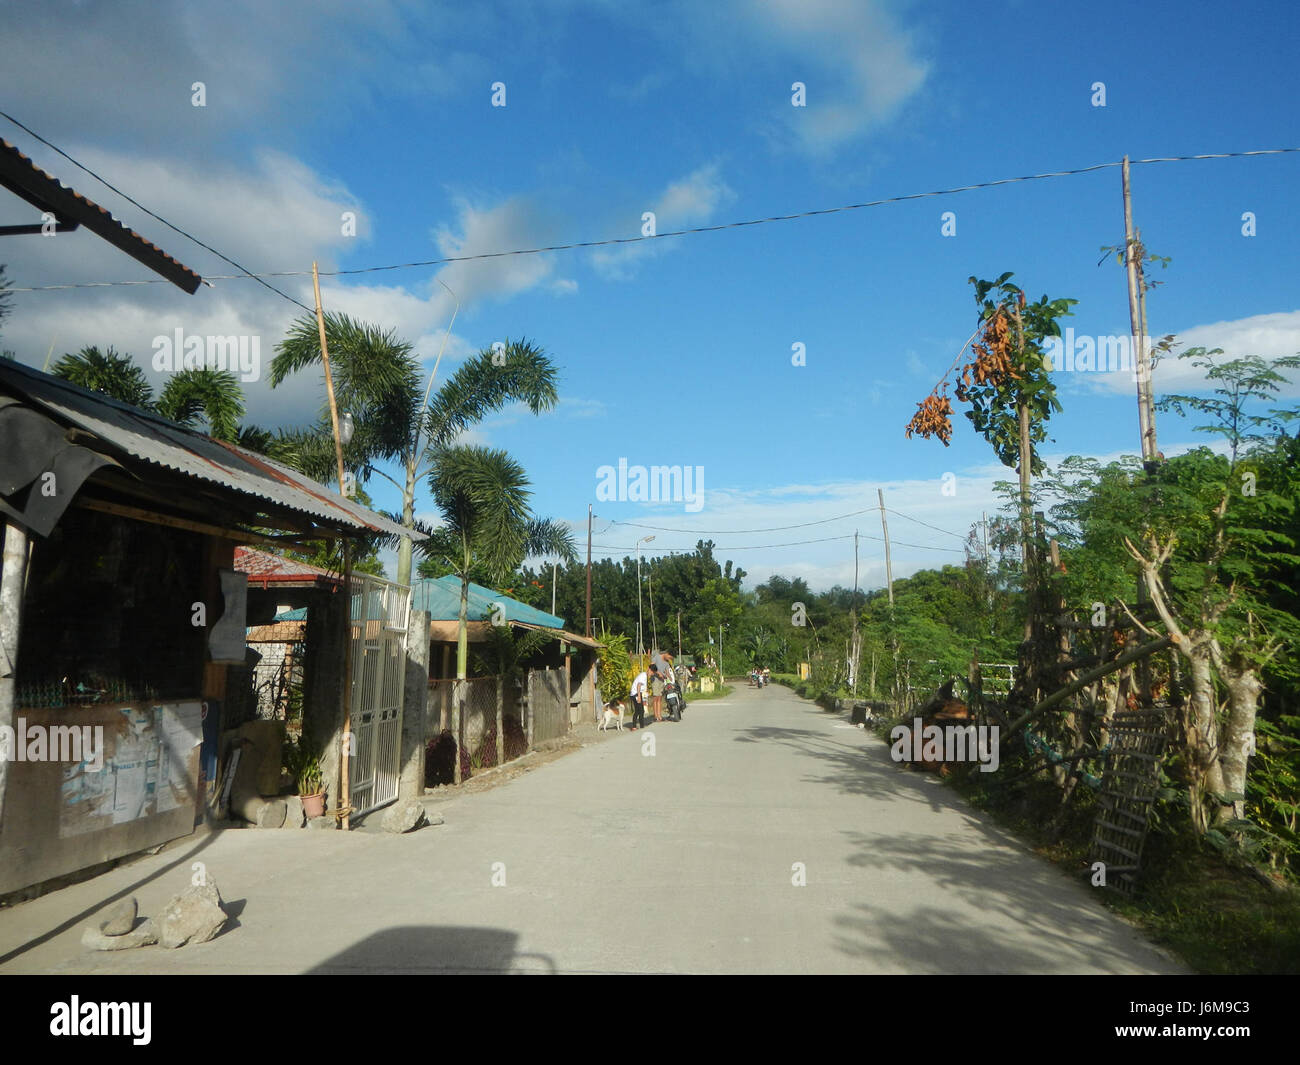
pixel 121 511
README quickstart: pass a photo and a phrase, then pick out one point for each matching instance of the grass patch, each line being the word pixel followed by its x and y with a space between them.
pixel 717 693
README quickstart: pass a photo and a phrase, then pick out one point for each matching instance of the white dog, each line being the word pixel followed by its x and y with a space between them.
pixel 613 715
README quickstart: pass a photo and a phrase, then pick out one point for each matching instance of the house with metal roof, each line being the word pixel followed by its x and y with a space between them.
pixel 124 623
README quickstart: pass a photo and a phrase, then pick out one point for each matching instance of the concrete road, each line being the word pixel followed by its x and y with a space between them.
pixel 681 854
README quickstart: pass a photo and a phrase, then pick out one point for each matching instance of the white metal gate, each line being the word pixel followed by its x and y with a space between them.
pixel 378 646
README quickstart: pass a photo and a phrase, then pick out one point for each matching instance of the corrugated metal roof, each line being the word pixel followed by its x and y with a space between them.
pixel 151 438
pixel 264 566
pixel 24 178
pixel 441 598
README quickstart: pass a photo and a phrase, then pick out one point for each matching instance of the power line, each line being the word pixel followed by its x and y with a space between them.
pixel 783 528
pixel 739 532
pixel 794 543
pixel 177 229
pixel 918 521
pixel 639 239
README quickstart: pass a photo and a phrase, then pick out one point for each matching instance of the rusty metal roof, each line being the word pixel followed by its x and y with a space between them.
pixel 153 439
pixel 46 193
pixel 264 567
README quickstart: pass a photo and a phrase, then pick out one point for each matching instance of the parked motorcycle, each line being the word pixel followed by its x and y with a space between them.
pixel 674 702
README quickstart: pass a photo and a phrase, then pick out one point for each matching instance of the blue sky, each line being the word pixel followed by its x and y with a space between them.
pixel 678 351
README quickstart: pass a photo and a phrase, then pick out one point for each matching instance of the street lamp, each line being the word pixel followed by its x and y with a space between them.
pixel 346 428
pixel 640 643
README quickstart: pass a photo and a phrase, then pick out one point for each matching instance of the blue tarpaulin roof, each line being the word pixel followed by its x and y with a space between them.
pixel 441 598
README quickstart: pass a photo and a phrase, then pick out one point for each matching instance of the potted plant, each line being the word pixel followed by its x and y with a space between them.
pixel 304 764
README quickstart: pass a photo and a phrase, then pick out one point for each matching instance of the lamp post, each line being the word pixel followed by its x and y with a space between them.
pixel 640 642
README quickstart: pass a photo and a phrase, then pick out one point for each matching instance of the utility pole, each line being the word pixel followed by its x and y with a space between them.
pixel 589 571
pixel 889 572
pixel 857 644
pixel 1137 323
pixel 654 625
pixel 553 568
pixel 679 634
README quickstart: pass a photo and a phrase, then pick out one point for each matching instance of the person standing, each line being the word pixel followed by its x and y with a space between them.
pixel 656 693
pixel 638 700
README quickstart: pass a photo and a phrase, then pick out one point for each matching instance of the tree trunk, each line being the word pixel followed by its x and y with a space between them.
pixel 1244 688
pixel 408 518
pixel 1201 730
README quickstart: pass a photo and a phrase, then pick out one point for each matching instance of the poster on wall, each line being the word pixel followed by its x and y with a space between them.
pixel 142 769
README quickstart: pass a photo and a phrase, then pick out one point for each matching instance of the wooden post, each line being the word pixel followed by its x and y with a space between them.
pixel 345 795
pixel 856 649
pixel 329 379
pixel 13 581
pixel 588 632
pixel 884 525
pixel 501 703
pixel 1137 324
pixel 528 707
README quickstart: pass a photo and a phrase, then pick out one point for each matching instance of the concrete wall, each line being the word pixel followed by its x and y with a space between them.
pixel 50 830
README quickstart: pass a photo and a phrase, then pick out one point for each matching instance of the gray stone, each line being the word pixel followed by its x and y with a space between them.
pixel 193 916
pixel 273 814
pixel 322 822
pixel 293 815
pixel 404 816
pixel 94 938
pixel 120 919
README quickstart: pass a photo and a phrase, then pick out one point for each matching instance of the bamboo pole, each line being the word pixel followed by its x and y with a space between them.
pixel 1137 323
pixel 329 378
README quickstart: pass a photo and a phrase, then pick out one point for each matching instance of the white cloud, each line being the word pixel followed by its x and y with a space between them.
pixel 514 224
pixel 690 201
pixel 1271 336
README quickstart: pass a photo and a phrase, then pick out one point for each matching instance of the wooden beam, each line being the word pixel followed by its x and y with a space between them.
pixel 122 511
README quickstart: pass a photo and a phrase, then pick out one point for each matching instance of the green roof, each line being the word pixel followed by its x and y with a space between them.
pixel 441 598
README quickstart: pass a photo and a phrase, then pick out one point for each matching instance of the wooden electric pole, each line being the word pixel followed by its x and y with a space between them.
pixel 588 571
pixel 889 572
pixel 856 648
pixel 1137 324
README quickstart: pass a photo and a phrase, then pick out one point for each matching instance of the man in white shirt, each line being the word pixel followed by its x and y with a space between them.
pixel 638 694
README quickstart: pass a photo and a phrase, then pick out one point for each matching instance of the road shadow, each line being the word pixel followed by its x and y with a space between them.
pixel 1059 928
pixel 182 859
pixel 861 768
pixel 436 949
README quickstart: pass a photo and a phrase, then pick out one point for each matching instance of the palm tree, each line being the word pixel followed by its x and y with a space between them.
pixel 209 395
pixel 107 371
pixel 482 495
pixel 190 397
pixel 377 378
